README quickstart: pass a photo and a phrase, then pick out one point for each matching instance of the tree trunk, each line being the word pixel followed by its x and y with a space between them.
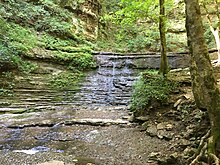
pixel 204 86
pixel 162 27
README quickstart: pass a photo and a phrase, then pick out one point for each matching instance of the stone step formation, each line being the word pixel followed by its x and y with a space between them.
pixel 106 86
pixel 109 85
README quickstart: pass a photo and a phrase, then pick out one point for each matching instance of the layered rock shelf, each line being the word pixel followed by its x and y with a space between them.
pixel 150 60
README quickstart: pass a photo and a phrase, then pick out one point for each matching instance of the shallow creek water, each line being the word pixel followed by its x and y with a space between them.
pixel 90 126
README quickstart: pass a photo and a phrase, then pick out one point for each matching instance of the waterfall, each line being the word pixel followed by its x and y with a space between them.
pixel 109 85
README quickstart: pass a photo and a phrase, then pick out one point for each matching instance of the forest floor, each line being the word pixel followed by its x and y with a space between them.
pixel 58 133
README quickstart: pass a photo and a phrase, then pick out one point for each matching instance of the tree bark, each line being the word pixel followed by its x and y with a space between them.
pixel 162 27
pixel 204 86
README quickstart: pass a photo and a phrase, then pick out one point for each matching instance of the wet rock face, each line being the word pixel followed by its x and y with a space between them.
pixel 107 86
pixel 87 13
pixel 111 83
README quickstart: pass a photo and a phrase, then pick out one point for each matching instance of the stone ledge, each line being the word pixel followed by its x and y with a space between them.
pixel 141 61
pixel 97 122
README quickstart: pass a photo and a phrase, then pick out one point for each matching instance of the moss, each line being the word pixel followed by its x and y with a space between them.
pixel 6 83
pixel 66 81
pixel 214 115
pixel 77 60
pixel 71 49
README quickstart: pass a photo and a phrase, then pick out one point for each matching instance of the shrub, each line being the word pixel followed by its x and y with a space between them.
pixel 151 90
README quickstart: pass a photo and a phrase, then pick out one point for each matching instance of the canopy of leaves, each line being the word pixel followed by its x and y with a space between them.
pixel 134 26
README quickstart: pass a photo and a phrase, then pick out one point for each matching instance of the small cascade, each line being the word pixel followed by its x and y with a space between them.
pixel 110 84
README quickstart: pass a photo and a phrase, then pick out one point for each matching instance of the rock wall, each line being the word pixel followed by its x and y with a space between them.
pixel 86 18
pixel 144 61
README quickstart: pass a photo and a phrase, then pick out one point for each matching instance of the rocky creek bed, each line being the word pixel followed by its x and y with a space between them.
pixel 42 126
pixel 96 136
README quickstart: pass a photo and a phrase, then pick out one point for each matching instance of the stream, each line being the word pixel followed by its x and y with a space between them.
pixel 42 126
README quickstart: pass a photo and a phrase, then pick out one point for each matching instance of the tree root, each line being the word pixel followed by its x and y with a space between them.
pixel 201 149
pixel 215 158
pixel 201 153
pixel 203 145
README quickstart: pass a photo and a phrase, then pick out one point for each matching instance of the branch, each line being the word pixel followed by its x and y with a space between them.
pixel 204 137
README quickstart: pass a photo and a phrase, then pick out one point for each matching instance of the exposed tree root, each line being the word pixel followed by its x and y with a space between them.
pixel 201 153
pixel 215 158
pixel 201 149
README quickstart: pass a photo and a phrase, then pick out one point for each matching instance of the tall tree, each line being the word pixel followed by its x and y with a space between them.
pixel 162 28
pixel 134 11
pixel 206 93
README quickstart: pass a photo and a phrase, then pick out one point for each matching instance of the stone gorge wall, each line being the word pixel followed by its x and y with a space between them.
pixel 86 18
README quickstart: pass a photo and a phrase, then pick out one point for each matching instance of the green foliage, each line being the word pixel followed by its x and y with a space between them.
pixel 71 49
pixel 43 15
pixel 77 60
pixel 6 84
pixel 66 80
pixel 131 11
pixel 131 39
pixel 42 25
pixel 151 88
pixel 14 41
pixel 21 39
pixel 210 40
pixel 25 66
pixel 51 42
pixel 6 58
pixel 111 6
pixel 137 44
pixel 133 26
pixel 176 42
pixel 127 27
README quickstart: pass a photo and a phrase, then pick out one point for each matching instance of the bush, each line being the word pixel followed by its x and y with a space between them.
pixel 151 90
